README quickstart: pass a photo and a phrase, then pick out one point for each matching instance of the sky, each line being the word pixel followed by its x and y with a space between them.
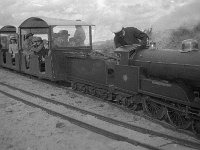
pixel 142 14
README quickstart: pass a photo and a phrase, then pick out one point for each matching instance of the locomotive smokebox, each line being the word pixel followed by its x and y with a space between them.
pixel 190 45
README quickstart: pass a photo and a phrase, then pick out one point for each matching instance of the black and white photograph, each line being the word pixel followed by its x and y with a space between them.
pixel 99 75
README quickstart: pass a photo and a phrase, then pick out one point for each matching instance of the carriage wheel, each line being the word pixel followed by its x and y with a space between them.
pixel 196 127
pixel 93 92
pixel 78 87
pixel 118 99
pixel 153 109
pixel 74 86
pixel 178 119
pixel 83 89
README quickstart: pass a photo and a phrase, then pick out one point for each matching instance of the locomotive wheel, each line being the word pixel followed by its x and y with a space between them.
pixel 104 95
pixel 127 102
pixel 153 109
pixel 124 101
pixel 196 127
pixel 98 93
pixel 178 119
pixel 133 106
pixel 134 103
pixel 93 92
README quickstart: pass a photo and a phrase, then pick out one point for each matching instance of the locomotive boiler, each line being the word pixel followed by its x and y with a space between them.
pixel 173 65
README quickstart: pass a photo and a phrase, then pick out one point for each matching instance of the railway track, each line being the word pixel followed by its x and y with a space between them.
pixel 163 123
pixel 43 103
pixel 138 113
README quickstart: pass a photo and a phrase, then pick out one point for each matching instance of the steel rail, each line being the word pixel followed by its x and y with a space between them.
pixel 109 120
pixel 84 125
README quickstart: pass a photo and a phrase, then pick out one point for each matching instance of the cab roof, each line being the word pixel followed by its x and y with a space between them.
pixel 8 29
pixel 44 22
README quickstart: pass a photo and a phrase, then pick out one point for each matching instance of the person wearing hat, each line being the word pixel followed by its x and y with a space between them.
pixel 39 49
pixel 60 39
pixel 13 48
pixel 79 36
pixel 128 36
pixel 28 43
pixel 27 46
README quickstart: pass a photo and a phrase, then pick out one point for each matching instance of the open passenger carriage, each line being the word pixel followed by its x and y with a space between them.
pixel 58 36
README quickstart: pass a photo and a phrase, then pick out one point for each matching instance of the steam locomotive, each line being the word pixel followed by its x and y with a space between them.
pixel 165 82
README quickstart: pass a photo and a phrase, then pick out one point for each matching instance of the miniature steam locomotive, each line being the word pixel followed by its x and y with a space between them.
pixel 166 83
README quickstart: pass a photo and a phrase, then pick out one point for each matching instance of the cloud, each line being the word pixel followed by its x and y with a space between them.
pixel 186 14
pixel 102 13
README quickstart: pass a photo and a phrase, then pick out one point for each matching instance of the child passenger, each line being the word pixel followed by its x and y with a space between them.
pixel 13 48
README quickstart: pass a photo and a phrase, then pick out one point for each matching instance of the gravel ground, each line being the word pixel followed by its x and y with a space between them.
pixel 25 128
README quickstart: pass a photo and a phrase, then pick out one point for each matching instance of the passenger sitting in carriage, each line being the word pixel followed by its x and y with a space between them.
pixel 39 49
pixel 28 43
pixel 79 36
pixel 60 39
pixel 13 48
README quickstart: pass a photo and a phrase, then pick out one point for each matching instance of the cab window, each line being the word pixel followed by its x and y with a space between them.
pixel 70 36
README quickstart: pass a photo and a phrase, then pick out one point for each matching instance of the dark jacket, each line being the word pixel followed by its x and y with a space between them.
pixel 132 36
pixel 40 51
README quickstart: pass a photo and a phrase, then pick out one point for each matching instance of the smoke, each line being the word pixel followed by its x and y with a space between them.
pixel 187 15
pixel 182 23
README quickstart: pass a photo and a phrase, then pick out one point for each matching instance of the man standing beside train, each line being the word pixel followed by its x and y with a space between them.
pixel 128 36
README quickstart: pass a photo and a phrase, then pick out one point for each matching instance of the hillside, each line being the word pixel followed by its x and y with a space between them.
pixel 172 39
pixel 104 46
pixel 166 39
